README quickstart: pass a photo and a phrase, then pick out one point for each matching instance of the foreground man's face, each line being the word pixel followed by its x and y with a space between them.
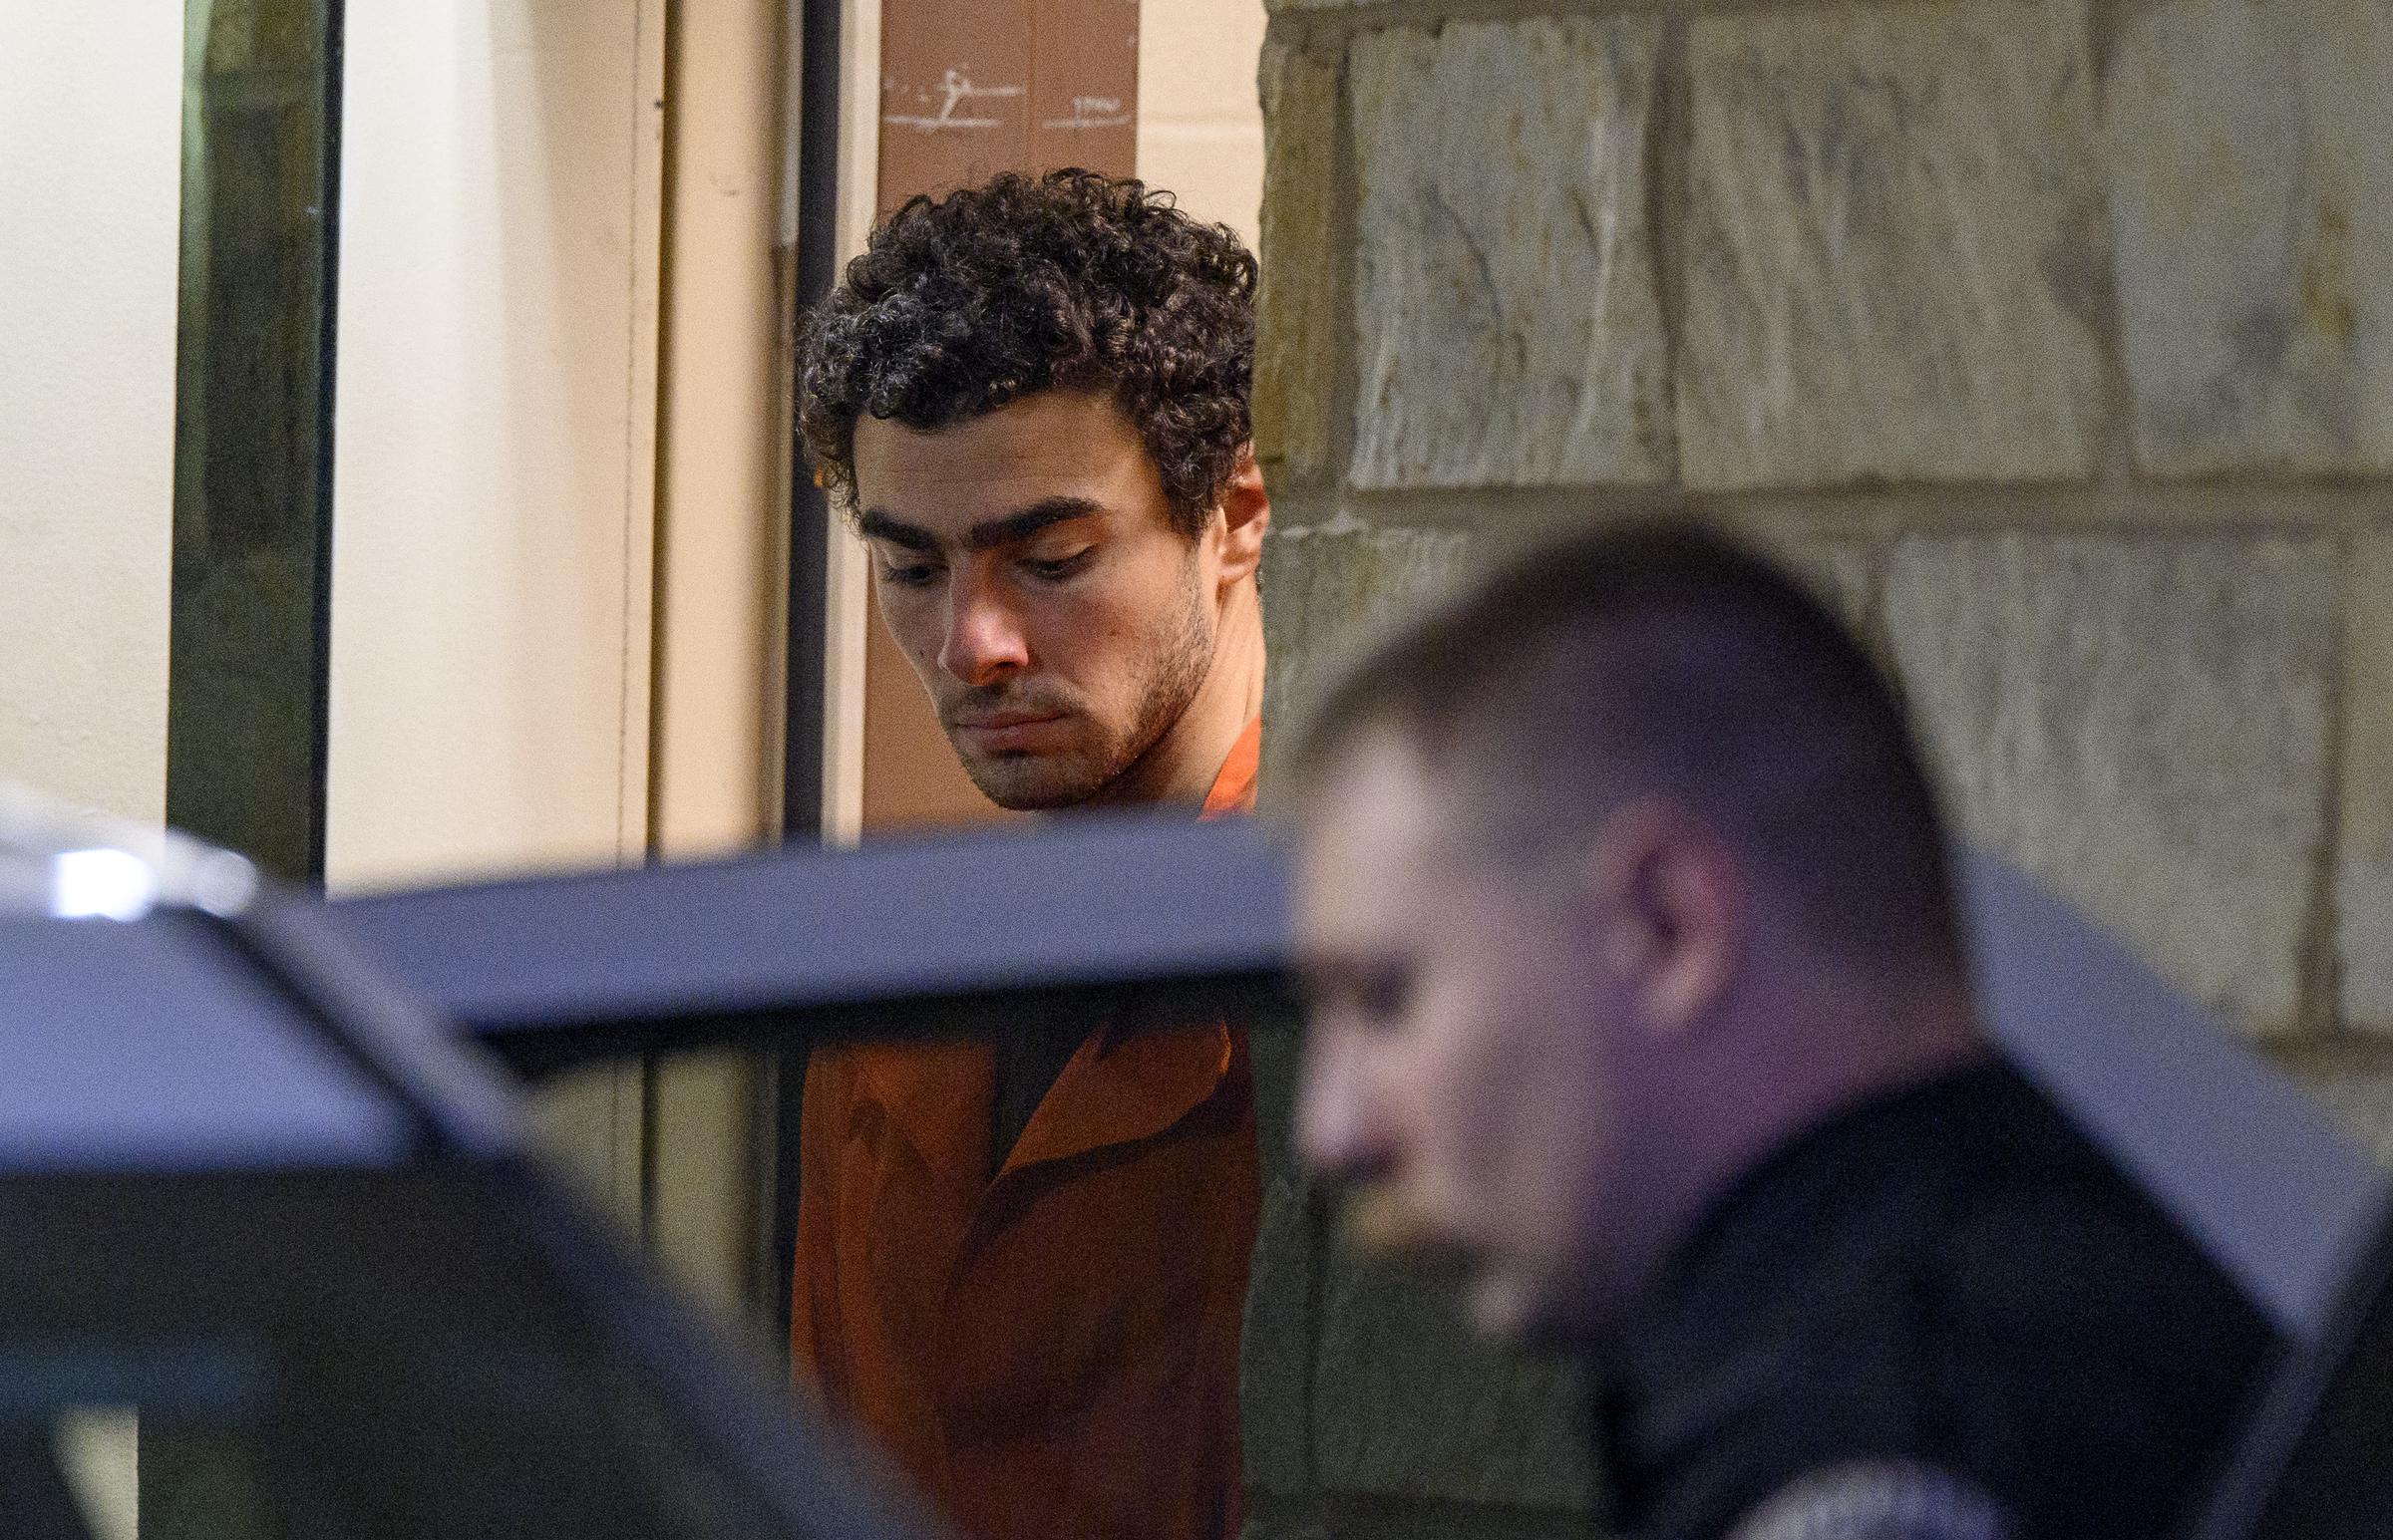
pixel 1027 565
pixel 1453 1076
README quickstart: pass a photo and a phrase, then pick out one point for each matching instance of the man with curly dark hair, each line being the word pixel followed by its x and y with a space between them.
pixel 1082 338
pixel 1022 1266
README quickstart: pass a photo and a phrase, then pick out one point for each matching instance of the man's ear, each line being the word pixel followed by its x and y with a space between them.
pixel 1674 900
pixel 1245 514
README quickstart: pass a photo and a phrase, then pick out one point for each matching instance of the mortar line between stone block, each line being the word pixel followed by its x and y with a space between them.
pixel 1878 636
pixel 1430 15
pixel 2105 22
pixel 1319 1237
pixel 1888 513
pixel 1295 43
pixel 1669 156
pixel 2139 509
pixel 2115 440
pixel 2319 1011
pixel 1346 189
pixel 2348 1053
pixel 1500 512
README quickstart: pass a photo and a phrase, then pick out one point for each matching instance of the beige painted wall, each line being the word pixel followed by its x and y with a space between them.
pixel 848 610
pixel 559 485
pixel 723 450
pixel 494 471
pixel 90 135
pixel 722 569
pixel 91 125
pixel 1201 122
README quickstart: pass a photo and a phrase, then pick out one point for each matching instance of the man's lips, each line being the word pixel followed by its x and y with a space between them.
pixel 998 732
pixel 1377 1218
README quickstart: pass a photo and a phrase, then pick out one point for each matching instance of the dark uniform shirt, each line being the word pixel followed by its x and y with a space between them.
pixel 1944 1313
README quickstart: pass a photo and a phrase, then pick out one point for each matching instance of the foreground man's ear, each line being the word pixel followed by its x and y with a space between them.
pixel 1245 514
pixel 1672 896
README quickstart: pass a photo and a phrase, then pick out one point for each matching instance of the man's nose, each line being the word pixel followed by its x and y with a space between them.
pixel 1339 1133
pixel 984 643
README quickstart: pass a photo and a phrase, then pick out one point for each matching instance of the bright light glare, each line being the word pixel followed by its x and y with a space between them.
pixel 101 885
pixel 97 1454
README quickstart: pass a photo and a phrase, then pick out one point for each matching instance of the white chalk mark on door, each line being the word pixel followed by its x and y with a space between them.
pixel 957 89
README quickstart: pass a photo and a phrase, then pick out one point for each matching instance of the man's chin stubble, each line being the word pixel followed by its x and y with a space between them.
pixel 1052 782
pixel 1023 785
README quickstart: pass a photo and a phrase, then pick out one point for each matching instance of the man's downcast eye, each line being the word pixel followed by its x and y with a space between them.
pixel 1056 569
pixel 1382 993
pixel 907 575
pixel 1373 997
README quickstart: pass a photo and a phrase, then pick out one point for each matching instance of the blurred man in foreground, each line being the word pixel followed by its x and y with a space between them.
pixel 1023 1267
pixel 1638 980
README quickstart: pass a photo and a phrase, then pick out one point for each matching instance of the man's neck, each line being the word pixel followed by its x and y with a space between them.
pixel 1817 1046
pixel 1185 761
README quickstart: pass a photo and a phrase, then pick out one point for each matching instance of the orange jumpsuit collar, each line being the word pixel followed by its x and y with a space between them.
pixel 943 1095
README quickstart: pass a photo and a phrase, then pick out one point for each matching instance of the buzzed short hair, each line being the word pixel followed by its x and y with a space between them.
pixel 1664 659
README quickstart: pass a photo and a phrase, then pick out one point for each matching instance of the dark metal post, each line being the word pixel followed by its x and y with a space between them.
pixel 805 716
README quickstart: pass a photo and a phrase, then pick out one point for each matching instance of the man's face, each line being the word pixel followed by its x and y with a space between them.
pixel 1456 1064
pixel 1027 564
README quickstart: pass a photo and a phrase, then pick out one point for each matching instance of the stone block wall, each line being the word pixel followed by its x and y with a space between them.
pixel 2051 339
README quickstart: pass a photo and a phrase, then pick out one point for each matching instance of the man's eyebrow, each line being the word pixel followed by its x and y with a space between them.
pixel 876 525
pixel 986 535
pixel 990 534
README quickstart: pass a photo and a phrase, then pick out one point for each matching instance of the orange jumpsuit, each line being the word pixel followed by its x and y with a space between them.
pixel 1049 1349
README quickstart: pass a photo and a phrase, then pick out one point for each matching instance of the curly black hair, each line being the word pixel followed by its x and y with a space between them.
pixel 1066 281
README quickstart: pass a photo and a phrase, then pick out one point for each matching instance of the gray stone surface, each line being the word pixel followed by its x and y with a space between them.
pixel 1276 1351
pixel 1326 592
pixel 1392 1398
pixel 2364 867
pixel 2356 1095
pixel 1267 1520
pixel 1353 1518
pixel 1277 1358
pixel 1840 572
pixel 1408 1403
pixel 2251 190
pixel 1896 257
pixel 1506 326
pixel 1301 317
pixel 2143 723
